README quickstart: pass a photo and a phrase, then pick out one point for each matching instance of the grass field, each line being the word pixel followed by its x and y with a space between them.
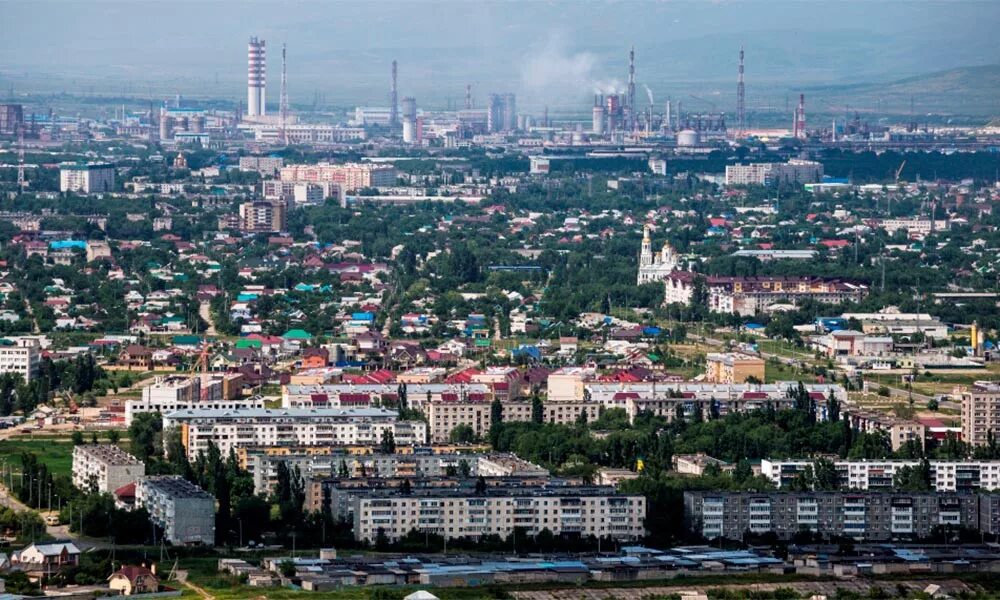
pixel 55 453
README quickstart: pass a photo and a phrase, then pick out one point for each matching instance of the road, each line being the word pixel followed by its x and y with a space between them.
pixel 205 312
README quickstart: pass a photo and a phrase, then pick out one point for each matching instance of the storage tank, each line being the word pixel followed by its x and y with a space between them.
pixel 598 121
pixel 409 131
pixel 166 127
pixel 410 108
pixel 688 137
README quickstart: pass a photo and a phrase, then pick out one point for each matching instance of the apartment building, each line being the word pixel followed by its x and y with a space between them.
pixel 104 466
pixel 876 475
pixel 171 393
pixel 86 178
pixel 900 431
pixel 981 413
pixel 21 357
pixel 231 429
pixel 184 511
pixel 733 367
pixel 871 516
pixel 264 467
pixel 351 176
pixel 348 395
pixel 449 411
pixel 793 171
pixel 267 166
pixel 747 296
pixel 263 216
pixel 462 513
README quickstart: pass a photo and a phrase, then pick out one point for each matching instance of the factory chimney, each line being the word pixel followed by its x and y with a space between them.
pixel 740 101
pixel 631 124
pixel 393 99
pixel 799 127
pixel 256 77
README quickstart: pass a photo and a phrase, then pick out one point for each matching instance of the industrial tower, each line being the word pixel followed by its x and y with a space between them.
pixel 256 77
pixel 283 103
pixel 468 96
pixel 22 184
pixel 799 125
pixel 741 122
pixel 393 99
pixel 631 90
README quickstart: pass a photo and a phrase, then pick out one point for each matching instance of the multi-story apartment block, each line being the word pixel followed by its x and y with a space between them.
pixel 267 166
pixel 794 171
pixel 86 178
pixel 748 296
pixel 216 391
pixel 449 411
pixel 263 217
pixel 21 357
pixel 264 467
pixel 873 516
pixel 732 367
pixel 900 431
pixel 230 429
pixel 463 513
pixel 184 511
pixel 104 466
pixel 946 475
pixel 351 176
pixel 358 395
pixel 11 118
pixel 981 413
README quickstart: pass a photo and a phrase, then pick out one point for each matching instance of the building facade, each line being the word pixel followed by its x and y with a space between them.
pixel 184 511
pixel 981 413
pixel 104 466
pixel 231 429
pixel 794 171
pixel 350 176
pixel 731 367
pixel 879 475
pixel 21 357
pixel 461 513
pixel 872 516
pixel 87 178
pixel 658 266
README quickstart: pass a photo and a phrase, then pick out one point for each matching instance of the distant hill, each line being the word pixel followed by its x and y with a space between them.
pixel 965 91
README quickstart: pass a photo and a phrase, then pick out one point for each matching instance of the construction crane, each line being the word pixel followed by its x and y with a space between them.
pixel 899 171
pixel 201 365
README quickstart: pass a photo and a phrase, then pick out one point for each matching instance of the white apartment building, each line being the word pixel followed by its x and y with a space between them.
pixel 267 166
pixel 87 178
pixel 915 226
pixel 875 475
pixel 346 395
pixel 350 176
pixel 184 511
pixel 106 466
pixel 981 413
pixel 583 511
pixel 20 356
pixel 180 392
pixel 230 429
pixel 794 171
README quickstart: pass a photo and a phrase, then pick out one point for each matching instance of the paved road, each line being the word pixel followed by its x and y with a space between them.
pixel 205 312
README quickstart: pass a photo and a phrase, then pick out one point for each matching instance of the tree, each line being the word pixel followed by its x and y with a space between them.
pixel 113 436
pixel 462 434
pixel 388 443
pixel 287 568
pixel 537 410
pixel 145 435
pixel 825 475
pixel 77 438
pixel 481 485
pixel 832 407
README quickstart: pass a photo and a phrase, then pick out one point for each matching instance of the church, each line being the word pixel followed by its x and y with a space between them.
pixel 656 267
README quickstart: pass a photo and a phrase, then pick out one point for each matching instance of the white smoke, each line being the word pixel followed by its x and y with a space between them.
pixel 553 74
pixel 649 93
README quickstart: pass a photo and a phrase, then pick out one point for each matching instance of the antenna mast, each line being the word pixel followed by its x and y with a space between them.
pixel 283 106
pixel 740 102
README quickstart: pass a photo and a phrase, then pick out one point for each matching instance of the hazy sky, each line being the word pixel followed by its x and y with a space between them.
pixel 548 52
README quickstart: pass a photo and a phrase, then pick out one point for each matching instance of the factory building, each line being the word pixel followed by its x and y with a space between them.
pixel 256 78
pixel 501 116
pixel 11 118
pixel 86 178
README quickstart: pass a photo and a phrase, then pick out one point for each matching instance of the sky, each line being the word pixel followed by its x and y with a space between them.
pixel 554 53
